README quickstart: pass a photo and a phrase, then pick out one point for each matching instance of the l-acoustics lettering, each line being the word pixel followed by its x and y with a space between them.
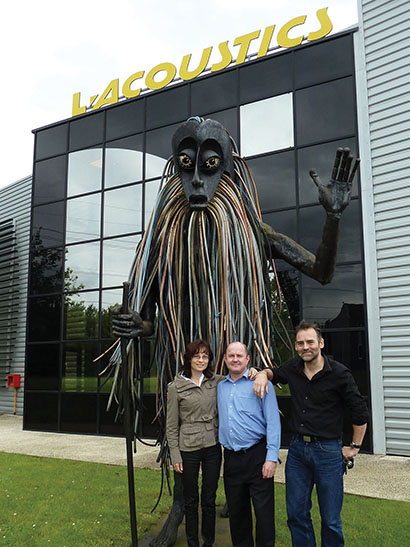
pixel 163 74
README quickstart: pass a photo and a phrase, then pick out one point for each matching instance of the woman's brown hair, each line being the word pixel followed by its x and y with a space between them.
pixel 192 349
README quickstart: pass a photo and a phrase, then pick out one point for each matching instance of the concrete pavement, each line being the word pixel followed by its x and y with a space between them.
pixel 374 476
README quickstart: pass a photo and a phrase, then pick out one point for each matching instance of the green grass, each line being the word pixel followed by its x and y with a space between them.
pixel 45 501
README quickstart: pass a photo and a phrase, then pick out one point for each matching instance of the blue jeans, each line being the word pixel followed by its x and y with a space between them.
pixel 310 463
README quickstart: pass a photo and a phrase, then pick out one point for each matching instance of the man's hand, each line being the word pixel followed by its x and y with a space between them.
pixel 128 324
pixel 252 373
pixel 349 453
pixel 261 384
pixel 269 469
pixel 335 195
pixel 178 467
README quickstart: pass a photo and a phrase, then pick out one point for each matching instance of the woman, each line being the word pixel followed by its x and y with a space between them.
pixel 192 432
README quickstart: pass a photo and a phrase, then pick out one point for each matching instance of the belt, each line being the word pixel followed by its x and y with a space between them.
pixel 245 450
pixel 312 438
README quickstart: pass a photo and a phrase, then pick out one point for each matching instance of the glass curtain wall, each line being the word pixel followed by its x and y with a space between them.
pixel 96 178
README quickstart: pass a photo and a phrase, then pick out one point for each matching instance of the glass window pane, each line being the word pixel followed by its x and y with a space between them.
pixel 167 107
pixel 267 125
pixel 118 255
pixel 41 411
pixel 283 222
pixel 214 93
pixel 123 210
pixel 79 412
pixel 275 180
pixel 48 225
pixel 46 273
pixel 289 285
pixel 81 315
pixel 49 180
pixel 79 371
pixel 84 171
pixel 44 318
pixel 349 348
pixel 43 367
pixel 341 300
pixel 158 150
pixel 86 132
pixel 229 119
pixel 267 77
pixel 151 192
pixel 82 266
pixel 321 158
pixel 110 299
pixel 325 111
pixel 125 119
pixel 51 141
pixel 123 161
pixel 83 218
pixel 312 220
pixel 324 61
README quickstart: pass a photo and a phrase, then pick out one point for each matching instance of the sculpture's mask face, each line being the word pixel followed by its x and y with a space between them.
pixel 202 153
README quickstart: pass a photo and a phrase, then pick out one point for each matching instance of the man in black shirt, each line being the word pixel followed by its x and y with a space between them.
pixel 320 388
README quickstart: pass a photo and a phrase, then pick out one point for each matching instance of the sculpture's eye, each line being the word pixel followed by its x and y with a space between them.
pixel 212 163
pixel 185 161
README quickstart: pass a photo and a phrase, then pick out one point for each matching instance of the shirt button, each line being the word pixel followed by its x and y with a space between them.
pixel 301 425
pixel 303 411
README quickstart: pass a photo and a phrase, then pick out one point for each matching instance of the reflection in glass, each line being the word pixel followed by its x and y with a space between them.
pixel 312 220
pixel 46 269
pixel 289 285
pixel 340 301
pixel 84 171
pixel 123 210
pixel 325 111
pixel 125 119
pixel 215 93
pixel 321 158
pixel 123 161
pixel 81 315
pixel 43 367
pixel 110 299
pixel 44 318
pixel 274 176
pixel 48 225
pixel 283 222
pixel 51 141
pixel 267 125
pixel 83 218
pixel 349 348
pixel 118 255
pixel 49 180
pixel 151 192
pixel 158 150
pixel 82 267
pixel 86 132
pixel 79 371
pixel 167 107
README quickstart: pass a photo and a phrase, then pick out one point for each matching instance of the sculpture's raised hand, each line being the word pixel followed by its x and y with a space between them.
pixel 335 195
pixel 128 324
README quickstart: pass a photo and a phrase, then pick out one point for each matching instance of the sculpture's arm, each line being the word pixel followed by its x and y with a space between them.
pixel 133 324
pixel 334 196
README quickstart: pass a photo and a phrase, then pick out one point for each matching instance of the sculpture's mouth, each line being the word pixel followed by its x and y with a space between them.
pixel 198 201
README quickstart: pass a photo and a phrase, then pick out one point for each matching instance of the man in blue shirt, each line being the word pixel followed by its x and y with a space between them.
pixel 249 430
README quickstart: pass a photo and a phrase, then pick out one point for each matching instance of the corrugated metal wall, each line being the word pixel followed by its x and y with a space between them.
pixel 15 201
pixel 385 32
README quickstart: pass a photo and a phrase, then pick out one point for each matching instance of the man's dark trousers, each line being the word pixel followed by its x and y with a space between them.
pixel 243 481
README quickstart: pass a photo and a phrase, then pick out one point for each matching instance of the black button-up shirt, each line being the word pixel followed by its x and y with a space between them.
pixel 317 405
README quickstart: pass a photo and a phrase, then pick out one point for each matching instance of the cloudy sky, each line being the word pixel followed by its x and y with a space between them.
pixel 51 50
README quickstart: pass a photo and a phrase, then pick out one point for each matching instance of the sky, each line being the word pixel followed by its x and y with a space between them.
pixel 51 50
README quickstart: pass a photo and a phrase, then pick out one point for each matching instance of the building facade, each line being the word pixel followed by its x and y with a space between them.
pixel 95 179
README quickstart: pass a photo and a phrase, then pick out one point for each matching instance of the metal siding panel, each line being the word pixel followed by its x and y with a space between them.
pixel 15 202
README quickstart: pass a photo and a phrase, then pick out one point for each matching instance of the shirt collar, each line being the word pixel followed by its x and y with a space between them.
pixel 244 375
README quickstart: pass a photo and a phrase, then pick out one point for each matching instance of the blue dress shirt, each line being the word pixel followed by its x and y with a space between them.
pixel 244 418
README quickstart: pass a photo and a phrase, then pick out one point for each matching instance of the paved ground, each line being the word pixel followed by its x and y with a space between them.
pixel 373 475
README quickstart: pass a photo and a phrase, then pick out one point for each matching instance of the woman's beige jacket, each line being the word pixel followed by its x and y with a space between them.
pixel 192 415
